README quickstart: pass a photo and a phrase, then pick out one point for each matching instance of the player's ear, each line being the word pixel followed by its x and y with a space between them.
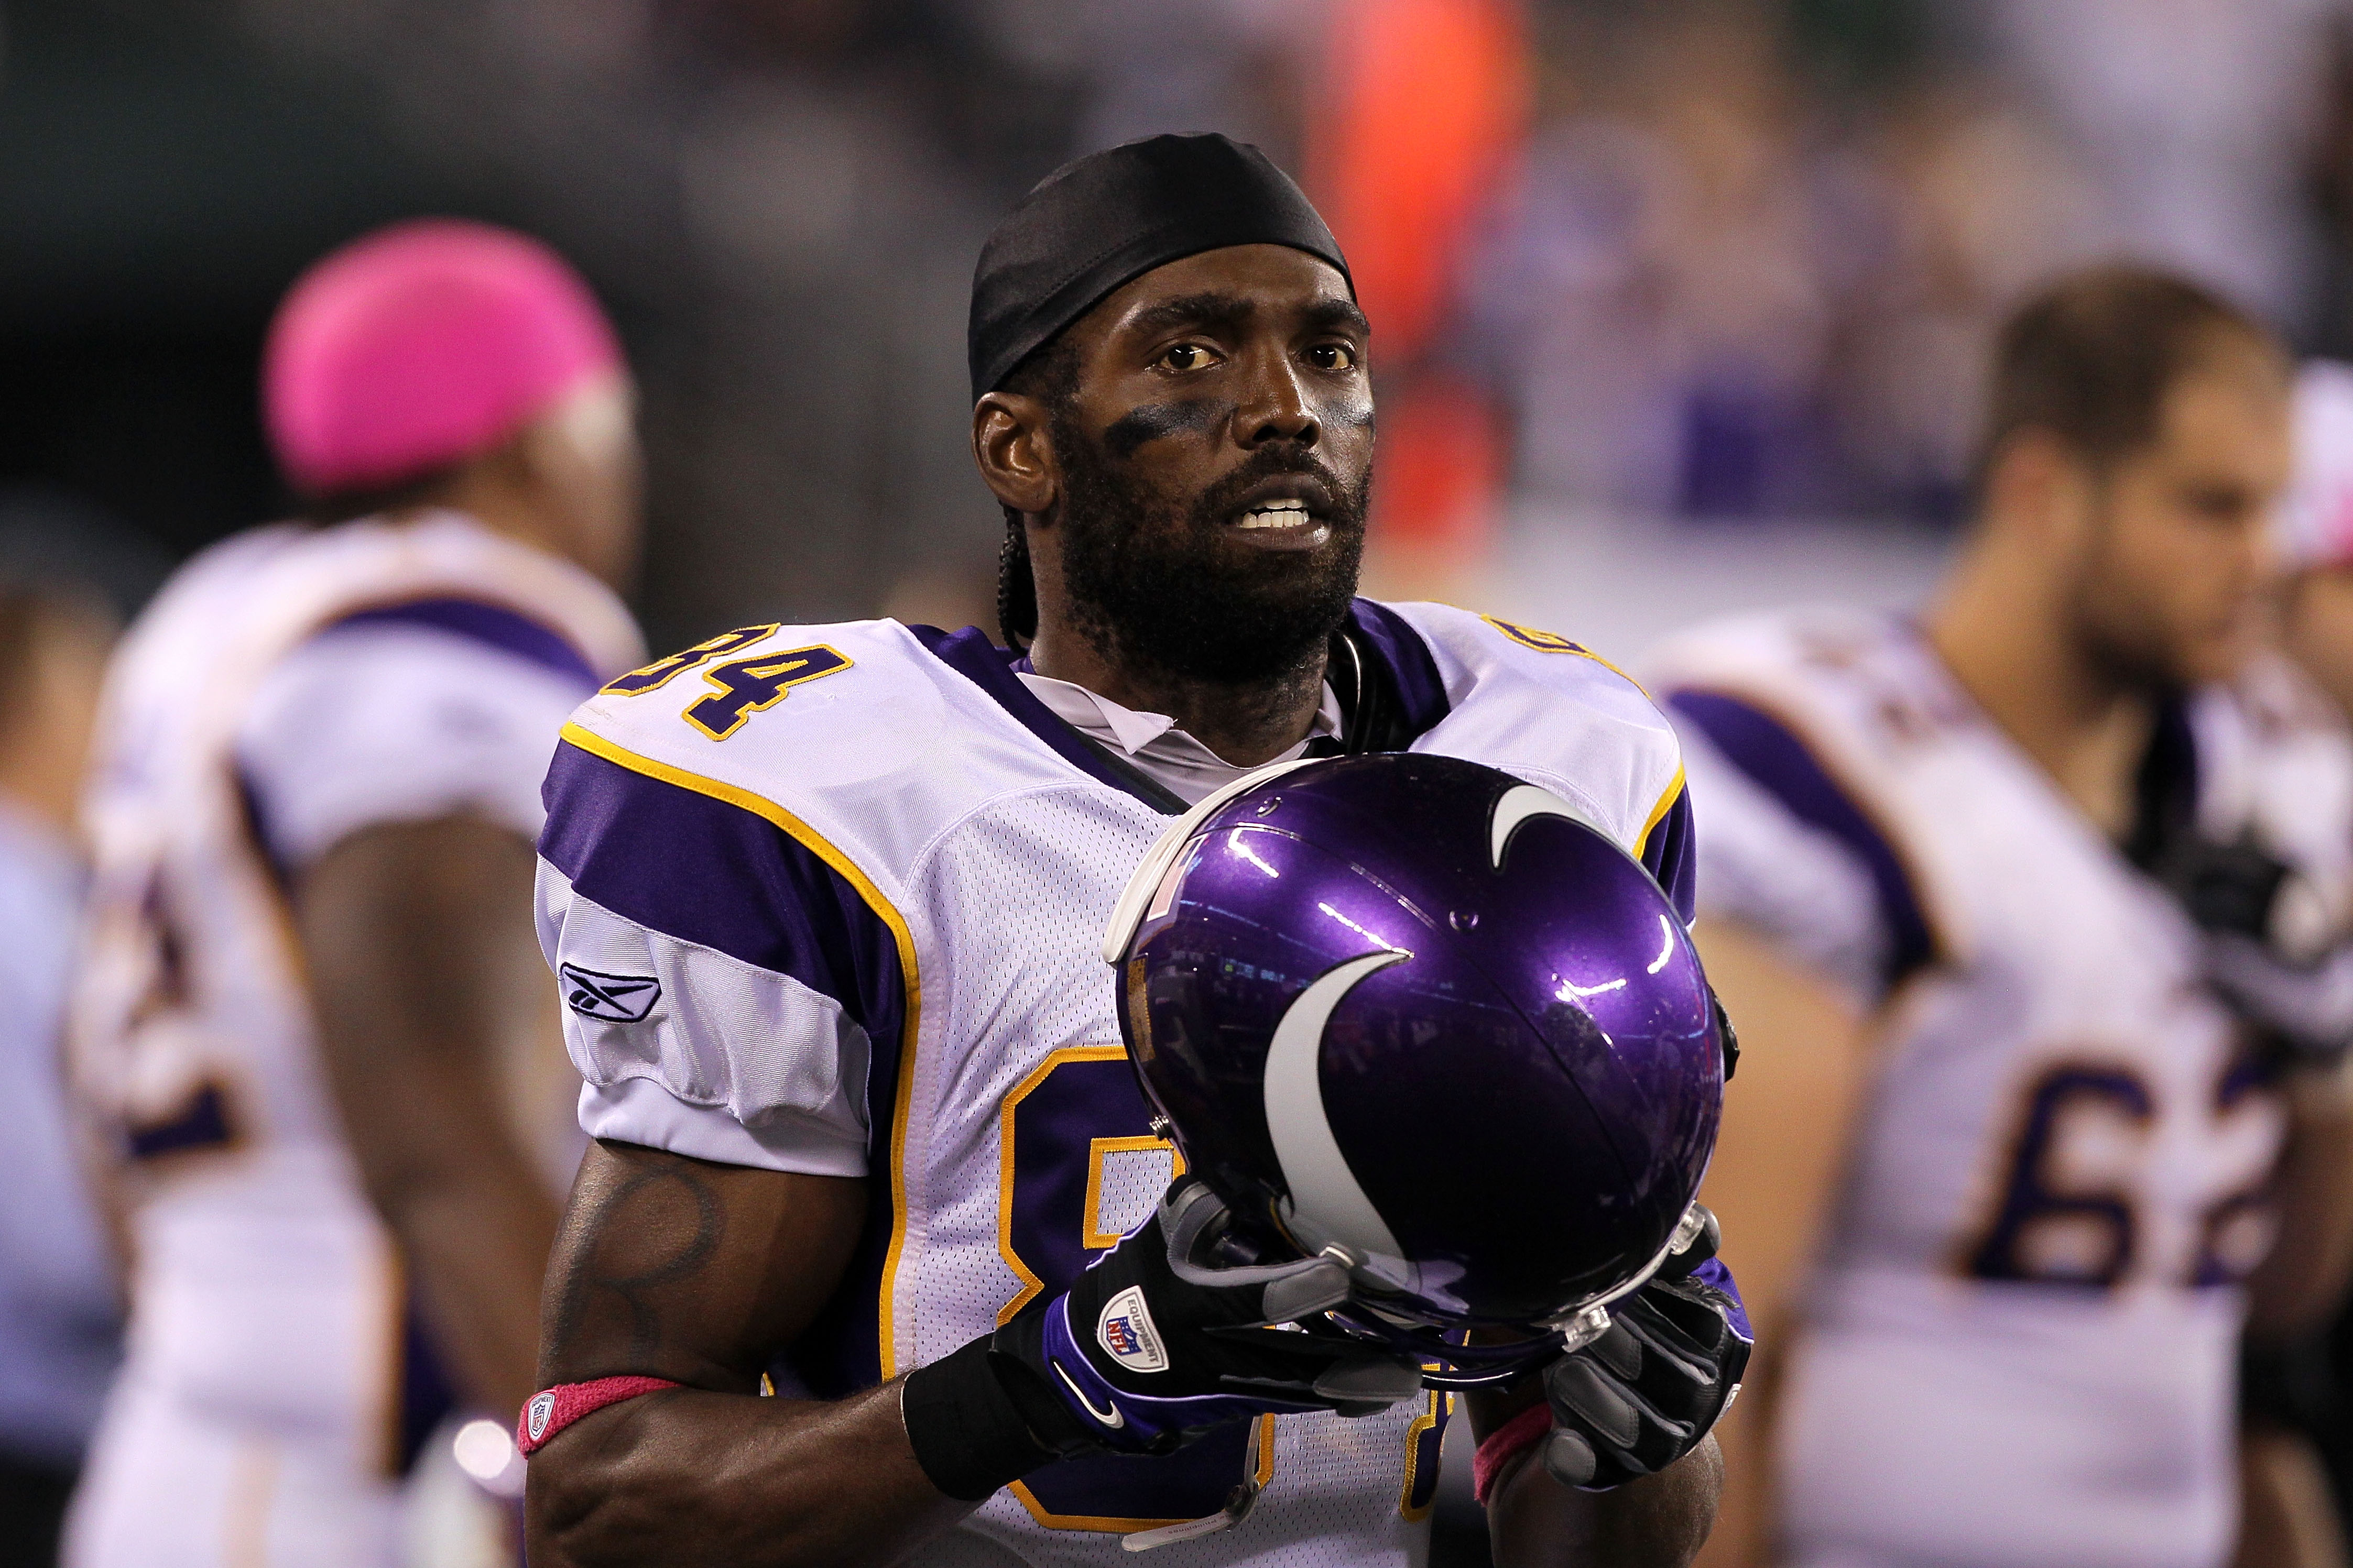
pixel 2038 480
pixel 1016 455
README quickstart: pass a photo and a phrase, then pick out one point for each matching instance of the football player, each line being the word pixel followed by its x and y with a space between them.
pixel 2032 910
pixel 827 905
pixel 2292 1433
pixel 310 1017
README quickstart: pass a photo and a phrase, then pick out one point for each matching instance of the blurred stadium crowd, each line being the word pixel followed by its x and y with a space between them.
pixel 1682 266
pixel 1710 257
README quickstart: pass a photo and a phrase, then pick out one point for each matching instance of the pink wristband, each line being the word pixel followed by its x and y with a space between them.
pixel 553 1409
pixel 1503 1445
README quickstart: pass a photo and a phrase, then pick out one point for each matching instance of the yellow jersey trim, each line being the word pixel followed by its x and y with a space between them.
pixel 815 843
pixel 1553 642
pixel 1659 812
pixel 1098 1152
pixel 1263 1470
pixel 1438 1403
pixel 1030 1284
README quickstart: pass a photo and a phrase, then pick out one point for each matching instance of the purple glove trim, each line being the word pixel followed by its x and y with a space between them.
pixel 1136 1422
pixel 1713 1272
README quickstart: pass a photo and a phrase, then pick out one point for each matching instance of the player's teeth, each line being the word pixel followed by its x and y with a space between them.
pixel 1280 514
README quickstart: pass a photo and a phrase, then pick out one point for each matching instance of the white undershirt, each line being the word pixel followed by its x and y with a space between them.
pixel 1153 744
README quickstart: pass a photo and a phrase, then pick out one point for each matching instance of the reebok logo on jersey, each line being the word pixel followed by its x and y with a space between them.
pixel 609 999
pixel 1128 1331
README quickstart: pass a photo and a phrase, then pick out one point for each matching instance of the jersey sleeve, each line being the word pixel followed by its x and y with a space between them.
pixel 377 721
pixel 1669 852
pixel 1786 848
pixel 725 985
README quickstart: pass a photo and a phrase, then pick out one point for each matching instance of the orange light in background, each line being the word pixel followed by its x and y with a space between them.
pixel 1425 103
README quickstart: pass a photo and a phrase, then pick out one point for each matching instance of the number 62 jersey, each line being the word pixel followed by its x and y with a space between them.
pixel 832 900
pixel 2019 1340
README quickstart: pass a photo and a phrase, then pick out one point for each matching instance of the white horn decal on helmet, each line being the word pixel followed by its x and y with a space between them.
pixel 1516 805
pixel 1327 1204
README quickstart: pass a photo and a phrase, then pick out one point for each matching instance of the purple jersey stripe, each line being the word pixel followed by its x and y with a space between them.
pixel 971 655
pixel 1381 632
pixel 1671 856
pixel 704 871
pixel 508 630
pixel 427 1395
pixel 1413 674
pixel 1778 762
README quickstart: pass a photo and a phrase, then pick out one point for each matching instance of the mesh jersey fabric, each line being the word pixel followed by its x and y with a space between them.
pixel 910 894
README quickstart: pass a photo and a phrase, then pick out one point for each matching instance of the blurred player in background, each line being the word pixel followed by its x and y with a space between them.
pixel 312 1023
pixel 2017 907
pixel 2293 1395
pixel 59 1319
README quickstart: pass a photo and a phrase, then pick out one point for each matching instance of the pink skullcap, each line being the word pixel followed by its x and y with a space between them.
pixel 421 345
pixel 2316 516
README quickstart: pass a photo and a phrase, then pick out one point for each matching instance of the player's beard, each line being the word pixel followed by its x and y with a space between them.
pixel 2118 633
pixel 2123 652
pixel 1156 583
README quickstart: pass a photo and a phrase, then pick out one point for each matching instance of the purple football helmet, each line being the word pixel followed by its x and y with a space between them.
pixel 1418 1015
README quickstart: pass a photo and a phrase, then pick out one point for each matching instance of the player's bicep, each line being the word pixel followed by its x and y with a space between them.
pixel 420 962
pixel 668 1266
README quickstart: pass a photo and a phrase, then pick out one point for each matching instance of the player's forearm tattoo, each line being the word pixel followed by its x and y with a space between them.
pixel 646 1205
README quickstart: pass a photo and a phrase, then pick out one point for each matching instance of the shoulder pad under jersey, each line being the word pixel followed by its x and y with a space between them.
pixel 1535 704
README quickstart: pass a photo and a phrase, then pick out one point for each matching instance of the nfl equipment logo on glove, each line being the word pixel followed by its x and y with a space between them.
pixel 1127 1333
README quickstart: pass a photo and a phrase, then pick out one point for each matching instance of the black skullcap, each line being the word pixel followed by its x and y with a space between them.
pixel 1109 217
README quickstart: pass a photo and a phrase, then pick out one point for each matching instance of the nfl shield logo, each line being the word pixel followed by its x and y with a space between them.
pixel 1128 1331
pixel 536 1415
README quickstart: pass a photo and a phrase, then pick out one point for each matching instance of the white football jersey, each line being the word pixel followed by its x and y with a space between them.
pixel 831 898
pixel 289 687
pixel 2019 1347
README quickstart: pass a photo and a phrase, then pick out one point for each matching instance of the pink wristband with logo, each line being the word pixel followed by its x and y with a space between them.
pixel 1503 1445
pixel 551 1410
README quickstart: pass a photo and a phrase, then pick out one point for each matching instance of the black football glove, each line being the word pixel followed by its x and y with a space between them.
pixel 1645 1393
pixel 1159 1341
pixel 2274 949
